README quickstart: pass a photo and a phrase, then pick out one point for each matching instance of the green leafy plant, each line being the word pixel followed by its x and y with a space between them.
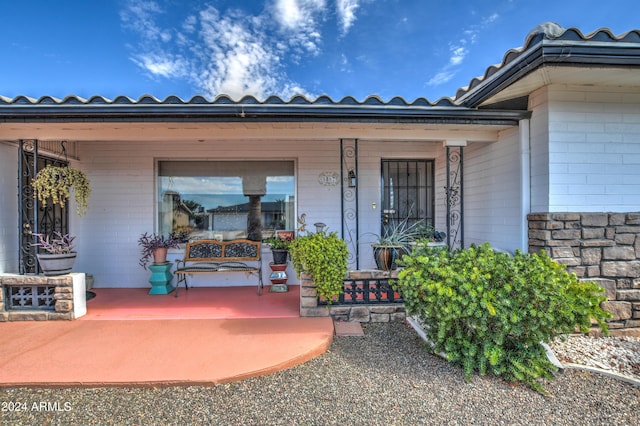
pixel 279 242
pixel 55 183
pixel 322 255
pixel 488 311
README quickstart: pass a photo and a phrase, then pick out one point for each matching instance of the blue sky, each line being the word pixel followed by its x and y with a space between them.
pixel 408 48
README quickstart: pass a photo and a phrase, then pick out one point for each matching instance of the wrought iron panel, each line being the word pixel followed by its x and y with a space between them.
pixel 367 292
pixel 205 250
pixel 33 217
pixel 241 250
pixel 455 197
pixel 407 192
pixel 349 202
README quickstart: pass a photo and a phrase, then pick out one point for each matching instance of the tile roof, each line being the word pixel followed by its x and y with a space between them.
pixel 563 48
pixel 224 100
pixel 223 108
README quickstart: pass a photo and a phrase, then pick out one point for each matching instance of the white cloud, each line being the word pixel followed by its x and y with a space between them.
pixel 296 14
pixel 236 60
pixel 441 78
pixel 459 51
pixel 346 13
pixel 232 53
pixel 139 17
pixel 161 65
pixel 457 55
pixel 299 22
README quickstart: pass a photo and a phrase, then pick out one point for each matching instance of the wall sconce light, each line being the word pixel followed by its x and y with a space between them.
pixel 353 179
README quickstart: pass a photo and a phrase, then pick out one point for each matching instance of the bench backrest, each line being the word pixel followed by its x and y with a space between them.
pixel 222 251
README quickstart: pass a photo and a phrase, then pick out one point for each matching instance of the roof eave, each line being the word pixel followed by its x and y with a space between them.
pixel 254 113
pixel 557 53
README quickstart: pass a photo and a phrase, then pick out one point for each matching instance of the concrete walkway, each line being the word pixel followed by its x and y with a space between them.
pixel 99 351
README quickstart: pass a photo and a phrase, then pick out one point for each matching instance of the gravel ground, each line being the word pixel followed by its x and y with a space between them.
pixel 620 355
pixel 384 378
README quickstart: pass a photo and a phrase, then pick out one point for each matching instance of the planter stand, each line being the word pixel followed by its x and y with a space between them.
pixel 278 278
pixel 161 278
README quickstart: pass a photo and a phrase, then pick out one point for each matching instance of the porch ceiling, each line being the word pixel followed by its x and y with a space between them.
pixel 162 131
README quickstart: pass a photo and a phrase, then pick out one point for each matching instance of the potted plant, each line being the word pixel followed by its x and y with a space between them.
pixel 394 241
pixel 279 245
pixel 156 246
pixel 56 183
pixel 323 256
pixel 59 257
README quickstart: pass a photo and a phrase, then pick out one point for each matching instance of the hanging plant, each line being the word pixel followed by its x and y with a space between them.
pixel 54 183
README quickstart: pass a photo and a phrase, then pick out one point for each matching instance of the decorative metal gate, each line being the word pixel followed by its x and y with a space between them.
pixel 349 201
pixel 34 218
pixel 455 197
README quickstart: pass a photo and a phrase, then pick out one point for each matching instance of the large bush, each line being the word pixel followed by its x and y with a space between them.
pixel 488 311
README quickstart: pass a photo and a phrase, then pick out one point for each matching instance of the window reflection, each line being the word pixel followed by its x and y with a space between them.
pixel 226 200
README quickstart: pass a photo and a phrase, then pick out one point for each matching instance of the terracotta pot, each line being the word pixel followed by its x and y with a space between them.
pixel 160 255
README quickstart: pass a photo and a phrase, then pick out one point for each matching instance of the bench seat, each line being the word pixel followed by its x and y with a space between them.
pixel 211 256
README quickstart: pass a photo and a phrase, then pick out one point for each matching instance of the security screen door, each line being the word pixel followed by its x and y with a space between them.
pixel 407 192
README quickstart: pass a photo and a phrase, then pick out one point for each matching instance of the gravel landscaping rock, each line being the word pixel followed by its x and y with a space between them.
pixel 619 355
pixel 383 378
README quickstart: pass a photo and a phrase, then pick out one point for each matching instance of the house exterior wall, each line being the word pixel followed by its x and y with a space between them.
pixel 586 209
pixel 591 146
pixel 122 202
pixel 492 182
pixel 8 210
pixel 123 186
pixel 539 150
pixel 370 156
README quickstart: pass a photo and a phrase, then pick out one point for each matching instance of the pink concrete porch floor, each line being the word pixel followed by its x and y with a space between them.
pixel 205 336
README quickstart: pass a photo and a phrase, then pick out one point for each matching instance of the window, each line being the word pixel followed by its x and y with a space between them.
pixel 226 200
pixel 407 192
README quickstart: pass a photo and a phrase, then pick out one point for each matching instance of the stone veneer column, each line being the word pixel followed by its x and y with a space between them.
pixel 309 299
pixel 599 247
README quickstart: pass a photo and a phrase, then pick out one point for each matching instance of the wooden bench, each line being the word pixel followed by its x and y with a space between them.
pixel 211 256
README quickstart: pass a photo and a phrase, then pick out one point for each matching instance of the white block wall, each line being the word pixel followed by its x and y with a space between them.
pixel 123 187
pixel 122 204
pixel 593 147
pixel 8 208
pixel 492 202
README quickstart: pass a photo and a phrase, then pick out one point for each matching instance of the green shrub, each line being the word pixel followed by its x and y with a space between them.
pixel 323 256
pixel 488 311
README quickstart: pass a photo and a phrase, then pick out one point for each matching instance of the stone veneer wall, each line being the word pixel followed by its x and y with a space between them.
pixel 383 312
pixel 65 308
pixel 599 247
